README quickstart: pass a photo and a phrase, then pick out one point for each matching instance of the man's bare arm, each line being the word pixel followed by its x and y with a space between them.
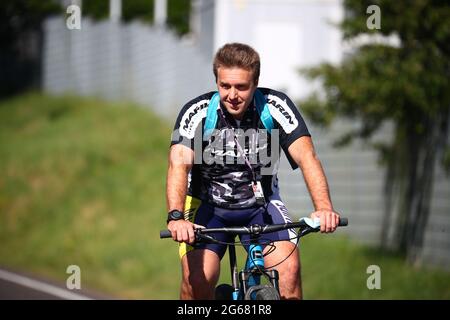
pixel 303 153
pixel 181 159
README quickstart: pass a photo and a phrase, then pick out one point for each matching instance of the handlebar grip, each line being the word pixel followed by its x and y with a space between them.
pixel 165 234
pixel 343 222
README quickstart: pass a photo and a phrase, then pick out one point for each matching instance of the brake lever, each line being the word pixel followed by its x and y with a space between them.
pixel 311 225
pixel 200 236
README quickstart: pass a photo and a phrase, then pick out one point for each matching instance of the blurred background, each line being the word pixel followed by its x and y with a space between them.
pixel 89 98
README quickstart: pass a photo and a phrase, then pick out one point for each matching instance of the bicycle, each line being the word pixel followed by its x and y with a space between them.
pixel 246 285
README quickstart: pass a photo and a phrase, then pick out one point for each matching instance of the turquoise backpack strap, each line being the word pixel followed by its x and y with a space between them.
pixel 263 110
pixel 211 116
pixel 211 113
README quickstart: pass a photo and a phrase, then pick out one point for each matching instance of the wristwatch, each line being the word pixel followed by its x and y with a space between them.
pixel 175 215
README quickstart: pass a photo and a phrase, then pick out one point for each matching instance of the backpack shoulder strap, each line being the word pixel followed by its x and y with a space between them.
pixel 211 116
pixel 263 110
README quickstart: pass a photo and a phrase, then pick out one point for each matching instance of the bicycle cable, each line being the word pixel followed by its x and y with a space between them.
pixel 273 248
pixel 269 243
pixel 295 247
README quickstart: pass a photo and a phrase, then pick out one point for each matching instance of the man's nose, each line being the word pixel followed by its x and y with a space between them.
pixel 233 93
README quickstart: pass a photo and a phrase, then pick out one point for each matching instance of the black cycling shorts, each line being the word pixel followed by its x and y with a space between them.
pixel 209 216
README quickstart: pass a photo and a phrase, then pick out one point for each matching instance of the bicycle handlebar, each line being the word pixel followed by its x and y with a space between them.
pixel 257 229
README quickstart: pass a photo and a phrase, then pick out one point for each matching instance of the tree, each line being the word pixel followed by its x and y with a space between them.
pixel 178 15
pixel 137 9
pixel 177 12
pixel 20 39
pixel 405 84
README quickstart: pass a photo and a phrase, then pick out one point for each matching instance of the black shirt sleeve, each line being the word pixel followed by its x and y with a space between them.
pixel 188 127
pixel 288 120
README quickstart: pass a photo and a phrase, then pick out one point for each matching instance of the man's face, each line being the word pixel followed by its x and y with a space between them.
pixel 236 88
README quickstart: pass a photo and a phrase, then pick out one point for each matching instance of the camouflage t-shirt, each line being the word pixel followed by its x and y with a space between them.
pixel 220 175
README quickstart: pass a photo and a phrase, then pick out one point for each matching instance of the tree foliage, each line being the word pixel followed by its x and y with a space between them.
pixel 178 15
pixel 405 84
pixel 177 12
pixel 20 35
pixel 19 16
pixel 136 9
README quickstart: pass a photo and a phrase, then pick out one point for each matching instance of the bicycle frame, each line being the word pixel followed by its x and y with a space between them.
pixel 246 283
pixel 254 269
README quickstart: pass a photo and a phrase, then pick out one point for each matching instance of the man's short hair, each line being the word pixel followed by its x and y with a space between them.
pixel 238 55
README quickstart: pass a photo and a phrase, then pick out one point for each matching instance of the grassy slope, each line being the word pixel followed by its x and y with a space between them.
pixel 82 182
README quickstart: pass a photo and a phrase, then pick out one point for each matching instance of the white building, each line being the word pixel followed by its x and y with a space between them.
pixel 288 34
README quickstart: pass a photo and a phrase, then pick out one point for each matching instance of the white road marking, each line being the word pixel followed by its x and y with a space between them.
pixel 41 286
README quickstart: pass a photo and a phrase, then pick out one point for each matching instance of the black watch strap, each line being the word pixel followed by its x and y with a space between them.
pixel 175 215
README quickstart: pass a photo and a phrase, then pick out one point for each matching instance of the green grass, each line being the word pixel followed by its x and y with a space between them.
pixel 82 182
pixel 336 268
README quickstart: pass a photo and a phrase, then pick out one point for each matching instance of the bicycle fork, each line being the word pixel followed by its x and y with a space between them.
pixel 234 272
pixel 251 275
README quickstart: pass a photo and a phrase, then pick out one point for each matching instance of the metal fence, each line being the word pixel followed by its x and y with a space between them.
pixel 124 61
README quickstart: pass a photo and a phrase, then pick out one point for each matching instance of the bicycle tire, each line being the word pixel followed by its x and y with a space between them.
pixel 224 292
pixel 262 292
pixel 267 293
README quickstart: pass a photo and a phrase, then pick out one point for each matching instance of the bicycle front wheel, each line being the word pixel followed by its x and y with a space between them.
pixel 262 292
pixel 224 292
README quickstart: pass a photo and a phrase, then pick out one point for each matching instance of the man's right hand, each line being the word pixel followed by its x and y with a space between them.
pixel 183 230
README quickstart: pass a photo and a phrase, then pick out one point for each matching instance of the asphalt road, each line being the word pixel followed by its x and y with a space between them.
pixel 20 286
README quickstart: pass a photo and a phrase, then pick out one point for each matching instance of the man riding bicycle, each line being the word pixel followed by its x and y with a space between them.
pixel 223 160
